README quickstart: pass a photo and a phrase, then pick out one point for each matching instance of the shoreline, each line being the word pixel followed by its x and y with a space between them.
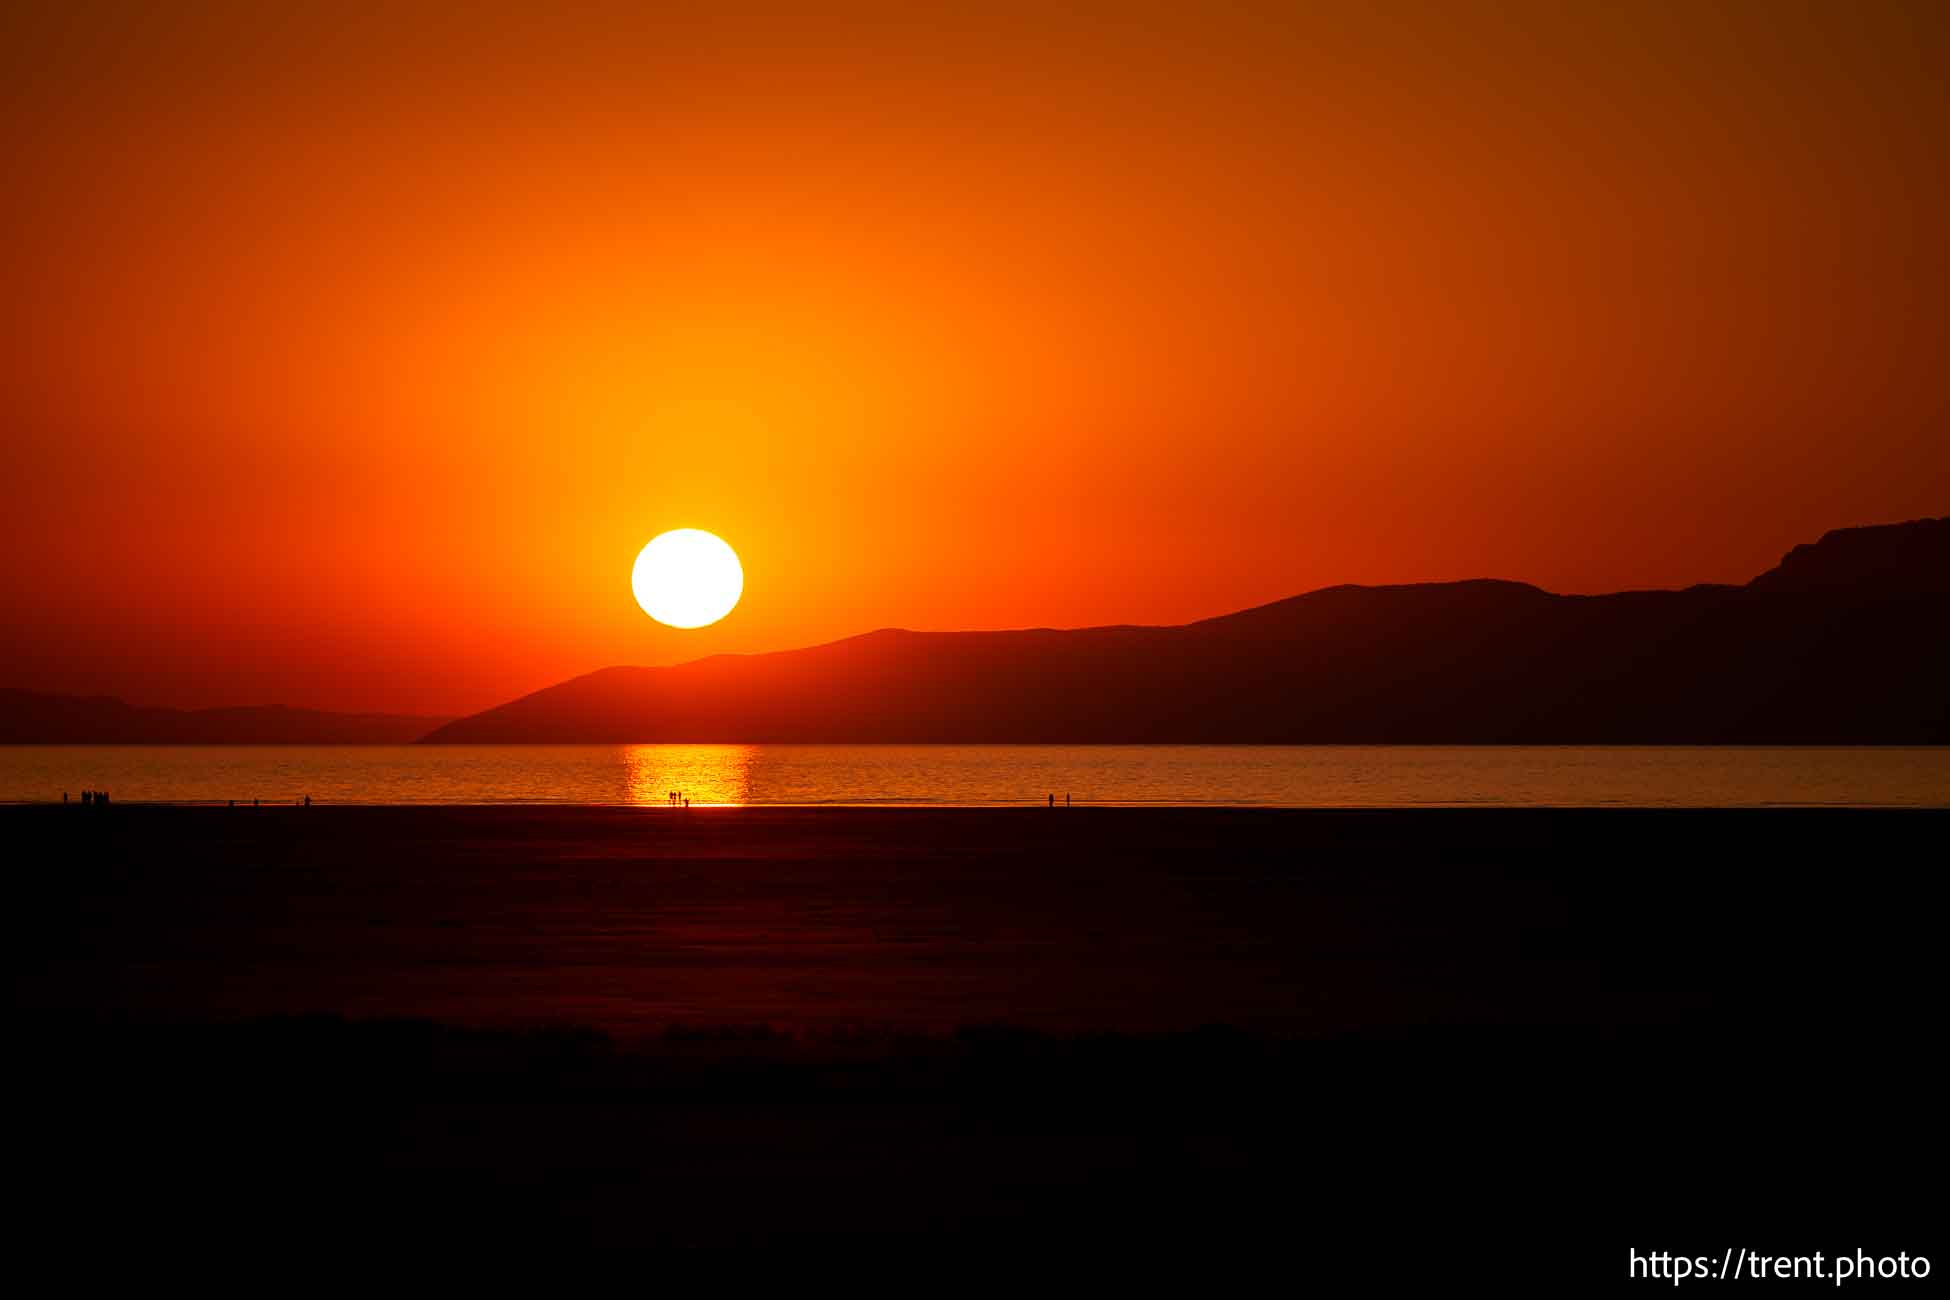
pixel 945 776
pixel 897 806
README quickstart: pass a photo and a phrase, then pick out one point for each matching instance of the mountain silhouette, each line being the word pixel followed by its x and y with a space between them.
pixel 31 718
pixel 1889 559
pixel 1846 641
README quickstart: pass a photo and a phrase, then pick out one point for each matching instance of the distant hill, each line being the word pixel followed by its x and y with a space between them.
pixel 1888 559
pixel 1848 640
pixel 30 718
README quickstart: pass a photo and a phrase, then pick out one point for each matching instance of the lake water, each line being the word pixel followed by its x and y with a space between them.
pixel 1298 776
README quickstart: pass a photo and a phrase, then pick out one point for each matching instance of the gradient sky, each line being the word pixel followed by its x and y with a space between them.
pixel 352 352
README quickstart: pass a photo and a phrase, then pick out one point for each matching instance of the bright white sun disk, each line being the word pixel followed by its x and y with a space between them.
pixel 687 578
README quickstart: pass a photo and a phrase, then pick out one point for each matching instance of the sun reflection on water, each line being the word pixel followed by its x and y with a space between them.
pixel 704 774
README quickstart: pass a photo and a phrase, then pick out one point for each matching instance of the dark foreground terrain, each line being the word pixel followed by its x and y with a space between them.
pixel 1489 1045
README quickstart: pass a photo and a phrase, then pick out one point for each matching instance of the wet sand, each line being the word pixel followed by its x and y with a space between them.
pixel 1292 923
pixel 719 1026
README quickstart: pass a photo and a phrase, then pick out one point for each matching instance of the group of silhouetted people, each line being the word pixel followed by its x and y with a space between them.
pixel 679 800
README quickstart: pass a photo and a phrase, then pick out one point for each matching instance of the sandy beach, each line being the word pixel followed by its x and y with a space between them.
pixel 1303 923
pixel 730 1026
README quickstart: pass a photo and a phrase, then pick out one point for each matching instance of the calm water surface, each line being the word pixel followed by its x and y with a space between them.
pixel 1271 775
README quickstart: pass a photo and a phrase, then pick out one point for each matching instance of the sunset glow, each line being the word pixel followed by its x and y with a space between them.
pixel 350 348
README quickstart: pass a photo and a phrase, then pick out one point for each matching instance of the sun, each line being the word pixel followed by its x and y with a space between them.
pixel 687 578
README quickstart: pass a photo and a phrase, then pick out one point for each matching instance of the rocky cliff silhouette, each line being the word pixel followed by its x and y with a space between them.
pixel 31 718
pixel 1885 560
pixel 1847 641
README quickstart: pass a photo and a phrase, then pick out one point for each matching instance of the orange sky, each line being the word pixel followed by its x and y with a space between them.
pixel 350 359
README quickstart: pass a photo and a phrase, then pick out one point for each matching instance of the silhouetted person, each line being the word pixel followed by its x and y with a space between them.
pixel 307 801
pixel 1052 799
pixel 101 796
pixel 1066 798
pixel 253 803
pixel 64 796
pixel 87 797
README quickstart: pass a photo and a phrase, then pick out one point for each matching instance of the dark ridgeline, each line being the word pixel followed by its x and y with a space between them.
pixel 31 718
pixel 1893 560
pixel 1845 641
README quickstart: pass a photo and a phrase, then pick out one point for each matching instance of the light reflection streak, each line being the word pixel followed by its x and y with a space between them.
pixel 705 774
